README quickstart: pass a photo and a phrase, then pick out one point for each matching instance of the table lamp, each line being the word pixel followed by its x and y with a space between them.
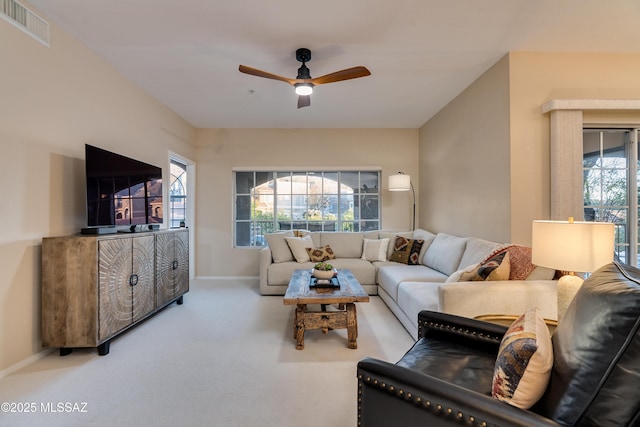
pixel 573 246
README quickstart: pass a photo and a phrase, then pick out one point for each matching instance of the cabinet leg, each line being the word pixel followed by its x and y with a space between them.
pixel 180 300
pixel 103 349
pixel 65 351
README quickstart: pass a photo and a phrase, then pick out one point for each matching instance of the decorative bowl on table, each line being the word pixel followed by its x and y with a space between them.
pixel 323 271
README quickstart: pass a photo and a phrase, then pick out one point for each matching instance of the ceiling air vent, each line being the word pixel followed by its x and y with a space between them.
pixel 19 16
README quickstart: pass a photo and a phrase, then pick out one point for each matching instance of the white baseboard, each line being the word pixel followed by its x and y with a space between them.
pixel 29 360
pixel 247 279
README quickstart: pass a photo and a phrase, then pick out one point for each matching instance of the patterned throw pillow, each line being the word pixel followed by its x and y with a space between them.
pixel 524 362
pixel 320 254
pixel 521 265
pixel 494 268
pixel 301 233
pixel 406 251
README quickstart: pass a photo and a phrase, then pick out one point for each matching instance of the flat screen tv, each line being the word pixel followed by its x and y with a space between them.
pixel 121 191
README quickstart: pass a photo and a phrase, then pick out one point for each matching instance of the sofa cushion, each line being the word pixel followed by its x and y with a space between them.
pixel 414 297
pixel 390 276
pixel 478 250
pixel 425 235
pixel 445 252
pixel 364 271
pixel 525 358
pixel 371 234
pixel 406 251
pixel 344 244
pixel 375 249
pixel 280 251
pixel 323 253
pixel 495 268
pixel 298 246
pixel 280 273
pixel 541 273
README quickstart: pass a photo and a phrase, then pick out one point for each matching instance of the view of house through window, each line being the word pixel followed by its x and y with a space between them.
pixel 312 200
pixel 178 194
pixel 610 186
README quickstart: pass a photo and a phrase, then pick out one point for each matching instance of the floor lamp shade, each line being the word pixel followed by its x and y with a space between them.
pixel 572 246
pixel 400 182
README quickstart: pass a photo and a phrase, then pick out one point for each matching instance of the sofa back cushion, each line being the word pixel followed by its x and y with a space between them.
pixel 445 252
pixel 596 367
pixel 478 250
pixel 343 244
pixel 427 237
pixel 280 251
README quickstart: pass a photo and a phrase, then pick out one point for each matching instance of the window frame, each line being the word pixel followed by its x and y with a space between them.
pixel 626 244
pixel 175 222
pixel 338 197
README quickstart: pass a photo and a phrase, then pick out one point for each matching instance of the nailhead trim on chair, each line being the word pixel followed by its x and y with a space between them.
pixel 438 325
pixel 417 400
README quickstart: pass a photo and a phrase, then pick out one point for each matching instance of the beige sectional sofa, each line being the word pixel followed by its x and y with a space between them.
pixel 277 262
pixel 434 284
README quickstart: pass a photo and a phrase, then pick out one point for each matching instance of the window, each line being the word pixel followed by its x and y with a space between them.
pixel 268 201
pixel 610 186
pixel 177 194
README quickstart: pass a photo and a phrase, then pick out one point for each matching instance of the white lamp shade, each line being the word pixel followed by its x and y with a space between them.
pixel 576 246
pixel 399 182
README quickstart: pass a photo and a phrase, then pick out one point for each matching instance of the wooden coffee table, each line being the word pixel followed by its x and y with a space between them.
pixel 300 293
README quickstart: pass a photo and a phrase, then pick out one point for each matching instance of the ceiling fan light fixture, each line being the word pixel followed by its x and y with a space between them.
pixel 304 88
pixel 304 83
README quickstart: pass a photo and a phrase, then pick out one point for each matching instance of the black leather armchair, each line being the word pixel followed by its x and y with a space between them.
pixel 445 378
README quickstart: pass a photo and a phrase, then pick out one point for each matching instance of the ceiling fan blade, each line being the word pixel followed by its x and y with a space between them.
pixel 349 73
pixel 304 101
pixel 260 73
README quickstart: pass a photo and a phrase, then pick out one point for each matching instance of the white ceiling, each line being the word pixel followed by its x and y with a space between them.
pixel 421 53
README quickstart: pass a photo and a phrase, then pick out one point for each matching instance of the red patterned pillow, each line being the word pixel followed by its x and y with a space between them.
pixel 406 251
pixel 521 266
pixel 519 261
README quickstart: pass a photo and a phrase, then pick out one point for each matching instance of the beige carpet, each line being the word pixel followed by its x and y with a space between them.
pixel 225 358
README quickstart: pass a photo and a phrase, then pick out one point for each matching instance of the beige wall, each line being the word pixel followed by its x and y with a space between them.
pixel 498 139
pixel 220 150
pixel 537 78
pixel 54 100
pixel 464 161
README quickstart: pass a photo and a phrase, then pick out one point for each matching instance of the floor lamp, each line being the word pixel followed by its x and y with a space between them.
pixel 573 246
pixel 402 182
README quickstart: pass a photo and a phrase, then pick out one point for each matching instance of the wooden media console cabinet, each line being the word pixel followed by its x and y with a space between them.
pixel 96 287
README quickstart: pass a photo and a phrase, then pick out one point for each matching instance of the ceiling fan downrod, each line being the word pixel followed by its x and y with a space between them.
pixel 303 55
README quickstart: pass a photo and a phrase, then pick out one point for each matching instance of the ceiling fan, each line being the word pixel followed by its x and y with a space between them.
pixel 303 83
